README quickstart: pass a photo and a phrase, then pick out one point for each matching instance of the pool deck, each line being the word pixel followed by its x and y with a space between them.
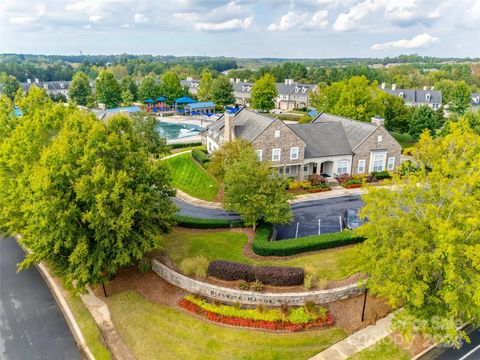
pixel 186 120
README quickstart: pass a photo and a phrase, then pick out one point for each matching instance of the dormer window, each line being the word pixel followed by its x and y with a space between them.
pixel 297 89
pixel 304 90
pixel 277 133
pixel 428 97
pixel 401 95
pixel 476 99
pixel 45 86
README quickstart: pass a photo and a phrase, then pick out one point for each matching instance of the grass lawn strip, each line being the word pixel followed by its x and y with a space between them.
pixel 155 331
pixel 331 264
pixel 385 349
pixel 405 140
pixel 191 178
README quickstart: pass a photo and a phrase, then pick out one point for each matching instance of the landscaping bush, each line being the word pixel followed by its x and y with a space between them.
pixel 297 185
pixel 200 156
pixel 380 175
pixel 186 145
pixel 408 167
pixel 198 223
pixel 194 266
pixel 317 180
pixel 230 271
pixel 305 119
pixel 346 181
pixel 262 246
pixel 279 276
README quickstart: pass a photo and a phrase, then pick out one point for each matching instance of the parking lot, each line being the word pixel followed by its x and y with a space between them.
pixel 318 217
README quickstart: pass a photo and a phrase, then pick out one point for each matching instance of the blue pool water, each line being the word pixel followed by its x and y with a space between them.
pixel 172 131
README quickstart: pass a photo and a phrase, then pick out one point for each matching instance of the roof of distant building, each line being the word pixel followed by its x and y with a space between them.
pixel 416 96
pixel 200 105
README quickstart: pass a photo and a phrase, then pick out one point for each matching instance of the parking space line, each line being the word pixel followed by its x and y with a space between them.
pixel 469 353
pixel 296 232
pixel 340 220
pixel 319 226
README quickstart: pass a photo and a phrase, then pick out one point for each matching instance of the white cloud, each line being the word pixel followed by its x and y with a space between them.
pixel 291 20
pixel 21 20
pixel 95 18
pixel 229 25
pixel 420 41
pixel 140 18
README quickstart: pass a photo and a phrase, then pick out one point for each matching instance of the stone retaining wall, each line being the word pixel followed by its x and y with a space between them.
pixel 228 295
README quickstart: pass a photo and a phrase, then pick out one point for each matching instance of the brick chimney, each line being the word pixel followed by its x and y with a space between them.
pixel 229 131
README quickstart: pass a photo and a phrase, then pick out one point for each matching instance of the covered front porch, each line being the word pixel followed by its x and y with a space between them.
pixel 291 171
pixel 329 168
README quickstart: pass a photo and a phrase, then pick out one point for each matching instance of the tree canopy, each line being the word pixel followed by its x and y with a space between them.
pixel 204 88
pixel 79 90
pixel 107 90
pixel 264 92
pixel 170 86
pixel 148 89
pixel 423 118
pixel 423 239
pixel 221 91
pixel 228 154
pixel 8 85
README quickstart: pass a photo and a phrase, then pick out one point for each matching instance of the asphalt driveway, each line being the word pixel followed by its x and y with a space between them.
pixel 31 323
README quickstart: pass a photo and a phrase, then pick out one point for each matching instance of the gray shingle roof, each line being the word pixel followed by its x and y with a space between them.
pixel 415 96
pixel 248 124
pixel 282 88
pixel 323 139
pixel 356 131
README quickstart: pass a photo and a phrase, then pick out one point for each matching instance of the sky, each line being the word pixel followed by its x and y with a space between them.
pixel 242 28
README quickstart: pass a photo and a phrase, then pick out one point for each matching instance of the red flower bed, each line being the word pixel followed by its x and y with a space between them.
pixel 262 324
pixel 317 190
pixel 353 186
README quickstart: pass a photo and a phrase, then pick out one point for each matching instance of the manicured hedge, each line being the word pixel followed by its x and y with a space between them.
pixel 268 275
pixel 181 146
pixel 200 156
pixel 198 223
pixel 262 246
pixel 230 271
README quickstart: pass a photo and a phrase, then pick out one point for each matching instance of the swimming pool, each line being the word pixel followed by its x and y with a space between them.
pixel 172 131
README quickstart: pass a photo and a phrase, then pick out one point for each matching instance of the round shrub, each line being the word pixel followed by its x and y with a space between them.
pixel 279 275
pixel 230 271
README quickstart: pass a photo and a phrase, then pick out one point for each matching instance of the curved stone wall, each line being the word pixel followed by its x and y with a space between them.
pixel 250 297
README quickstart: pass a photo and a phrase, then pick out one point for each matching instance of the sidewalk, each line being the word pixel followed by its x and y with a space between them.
pixel 358 341
pixel 197 202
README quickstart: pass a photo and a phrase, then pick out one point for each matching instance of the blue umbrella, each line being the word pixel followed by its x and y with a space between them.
pixel 149 101
pixel 185 100
pixel 161 98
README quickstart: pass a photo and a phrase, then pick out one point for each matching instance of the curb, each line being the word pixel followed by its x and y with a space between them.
pixel 67 313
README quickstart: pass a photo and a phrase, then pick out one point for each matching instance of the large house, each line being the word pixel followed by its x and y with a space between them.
pixel 291 95
pixel 330 145
pixel 191 84
pixel 53 88
pixel 415 97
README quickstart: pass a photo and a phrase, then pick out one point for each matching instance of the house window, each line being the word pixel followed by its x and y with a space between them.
pixel 259 154
pixel 428 97
pixel 380 138
pixel 391 163
pixel 287 170
pixel 378 163
pixel 361 166
pixel 280 171
pixel 294 153
pixel 342 167
pixel 401 95
pixel 277 133
pixel 276 154
pixel 305 168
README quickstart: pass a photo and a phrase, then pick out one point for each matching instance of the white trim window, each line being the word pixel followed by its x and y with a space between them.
pixel 391 163
pixel 276 154
pixel 361 166
pixel 287 170
pixel 306 168
pixel 342 167
pixel 294 153
pixel 277 133
pixel 259 154
pixel 380 138
pixel 378 161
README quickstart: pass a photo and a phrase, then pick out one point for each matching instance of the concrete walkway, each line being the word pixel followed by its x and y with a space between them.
pixel 358 341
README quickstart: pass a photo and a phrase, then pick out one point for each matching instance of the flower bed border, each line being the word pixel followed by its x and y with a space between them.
pixel 257 324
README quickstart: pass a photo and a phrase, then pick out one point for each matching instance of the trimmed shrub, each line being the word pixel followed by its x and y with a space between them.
pixel 279 276
pixel 186 145
pixel 380 175
pixel 194 266
pixel 199 223
pixel 316 179
pixel 200 156
pixel 230 271
pixel 263 247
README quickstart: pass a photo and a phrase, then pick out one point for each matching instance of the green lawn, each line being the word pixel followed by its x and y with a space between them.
pixel 405 140
pixel 155 331
pixel 191 178
pixel 383 350
pixel 331 264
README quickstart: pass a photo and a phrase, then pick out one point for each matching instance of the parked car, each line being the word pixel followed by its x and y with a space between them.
pixel 351 220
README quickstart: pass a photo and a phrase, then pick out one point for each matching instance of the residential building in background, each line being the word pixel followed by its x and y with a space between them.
pixel 330 145
pixel 416 97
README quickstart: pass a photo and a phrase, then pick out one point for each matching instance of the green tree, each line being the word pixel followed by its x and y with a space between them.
pixel 205 85
pixel 107 90
pixel 423 239
pixel 170 86
pixel 221 91
pixel 145 125
pixel 264 92
pixel 226 156
pixel 8 85
pixel 460 98
pixel 423 118
pixel 128 84
pixel 91 198
pixel 79 89
pixel 254 192
pixel 397 115
pixel 148 89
